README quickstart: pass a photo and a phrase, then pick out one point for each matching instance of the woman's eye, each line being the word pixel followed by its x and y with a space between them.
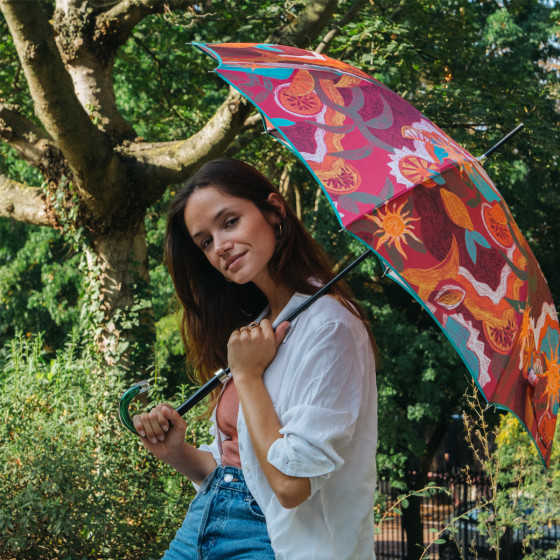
pixel 205 243
pixel 231 222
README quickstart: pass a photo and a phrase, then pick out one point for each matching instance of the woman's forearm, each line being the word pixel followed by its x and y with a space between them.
pixel 162 432
pixel 264 429
pixel 193 463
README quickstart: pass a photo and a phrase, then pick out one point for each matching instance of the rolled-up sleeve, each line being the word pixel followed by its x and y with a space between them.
pixel 325 400
pixel 213 447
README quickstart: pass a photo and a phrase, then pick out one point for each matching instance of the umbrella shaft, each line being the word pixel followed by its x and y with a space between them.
pixel 210 385
pixel 205 390
pixel 505 139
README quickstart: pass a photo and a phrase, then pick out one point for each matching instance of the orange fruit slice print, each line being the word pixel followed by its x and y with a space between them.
pixel 418 170
pixel 495 220
pixel 547 426
pixel 340 178
pixel 307 104
pixel 501 337
pixel 302 84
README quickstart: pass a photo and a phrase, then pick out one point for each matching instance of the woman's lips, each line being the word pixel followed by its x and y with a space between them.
pixel 233 261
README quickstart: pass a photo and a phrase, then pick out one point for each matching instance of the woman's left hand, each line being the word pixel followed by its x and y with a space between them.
pixel 252 348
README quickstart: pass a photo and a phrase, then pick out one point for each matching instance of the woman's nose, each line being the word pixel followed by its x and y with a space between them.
pixel 221 245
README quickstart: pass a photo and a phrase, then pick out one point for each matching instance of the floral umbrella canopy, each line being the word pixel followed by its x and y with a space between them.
pixel 427 209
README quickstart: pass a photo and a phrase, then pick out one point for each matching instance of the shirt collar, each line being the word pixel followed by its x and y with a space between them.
pixel 295 301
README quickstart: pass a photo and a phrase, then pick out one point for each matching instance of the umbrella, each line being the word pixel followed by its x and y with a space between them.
pixel 425 207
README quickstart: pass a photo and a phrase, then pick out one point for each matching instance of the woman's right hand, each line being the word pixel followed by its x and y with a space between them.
pixel 162 431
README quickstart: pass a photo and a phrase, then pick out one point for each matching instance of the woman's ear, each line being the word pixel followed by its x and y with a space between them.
pixel 276 201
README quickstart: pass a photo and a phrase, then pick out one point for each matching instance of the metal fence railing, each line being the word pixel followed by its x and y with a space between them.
pixel 438 509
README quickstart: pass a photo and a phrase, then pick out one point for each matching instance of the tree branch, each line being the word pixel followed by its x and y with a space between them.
pixel 56 104
pixel 31 142
pixel 307 26
pixel 159 165
pixel 346 18
pixel 22 203
pixel 66 5
pixel 252 129
pixel 123 17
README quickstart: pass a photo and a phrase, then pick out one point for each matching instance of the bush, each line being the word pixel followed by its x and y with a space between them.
pixel 73 483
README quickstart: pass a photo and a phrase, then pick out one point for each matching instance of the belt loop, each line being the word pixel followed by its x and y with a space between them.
pixel 208 481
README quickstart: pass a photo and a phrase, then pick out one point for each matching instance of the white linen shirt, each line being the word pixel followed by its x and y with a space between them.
pixel 322 384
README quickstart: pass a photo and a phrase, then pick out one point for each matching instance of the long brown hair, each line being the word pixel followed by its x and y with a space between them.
pixel 213 307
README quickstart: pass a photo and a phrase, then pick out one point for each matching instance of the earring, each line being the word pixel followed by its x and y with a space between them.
pixel 226 278
pixel 279 231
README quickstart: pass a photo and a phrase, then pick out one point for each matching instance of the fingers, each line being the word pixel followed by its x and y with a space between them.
pixel 256 330
pixel 153 425
pixel 253 347
pixel 281 331
pixel 172 418
pixel 247 328
pixel 247 332
pixel 277 334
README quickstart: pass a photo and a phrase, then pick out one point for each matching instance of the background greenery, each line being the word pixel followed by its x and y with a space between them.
pixel 72 484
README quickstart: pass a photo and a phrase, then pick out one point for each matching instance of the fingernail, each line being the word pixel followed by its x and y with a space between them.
pixel 143 434
pixel 153 440
pixel 165 427
pixel 161 438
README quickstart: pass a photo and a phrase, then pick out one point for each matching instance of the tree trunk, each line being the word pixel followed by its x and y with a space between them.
pixel 117 288
pixel 97 179
pixel 412 517
pixel 412 520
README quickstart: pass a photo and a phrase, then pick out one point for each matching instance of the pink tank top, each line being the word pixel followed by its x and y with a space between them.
pixel 226 418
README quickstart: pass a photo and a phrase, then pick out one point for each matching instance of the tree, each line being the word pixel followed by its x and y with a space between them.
pixel 100 176
pixel 106 156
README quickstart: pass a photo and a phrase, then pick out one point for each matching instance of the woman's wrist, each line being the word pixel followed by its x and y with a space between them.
pixel 193 463
pixel 176 456
pixel 246 378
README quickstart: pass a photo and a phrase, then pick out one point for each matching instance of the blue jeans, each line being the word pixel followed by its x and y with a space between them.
pixel 223 522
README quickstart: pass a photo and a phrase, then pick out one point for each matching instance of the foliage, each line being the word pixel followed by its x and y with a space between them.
pixel 418 386
pixel 522 511
pixel 382 512
pixel 475 68
pixel 526 483
pixel 39 288
pixel 163 84
pixel 73 483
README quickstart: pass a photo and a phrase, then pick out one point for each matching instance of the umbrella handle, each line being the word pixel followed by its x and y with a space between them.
pixel 143 386
pixel 128 396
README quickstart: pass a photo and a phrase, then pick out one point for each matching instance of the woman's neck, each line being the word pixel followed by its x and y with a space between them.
pixel 278 296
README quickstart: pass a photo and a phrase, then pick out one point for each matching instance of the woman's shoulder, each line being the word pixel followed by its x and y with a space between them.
pixel 329 310
pixel 327 316
pixel 327 326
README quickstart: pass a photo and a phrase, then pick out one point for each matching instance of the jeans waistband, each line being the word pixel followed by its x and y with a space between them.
pixel 230 478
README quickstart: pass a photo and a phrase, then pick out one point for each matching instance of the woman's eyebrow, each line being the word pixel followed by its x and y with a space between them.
pixel 214 219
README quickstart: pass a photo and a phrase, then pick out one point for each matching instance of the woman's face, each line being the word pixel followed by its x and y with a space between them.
pixel 236 237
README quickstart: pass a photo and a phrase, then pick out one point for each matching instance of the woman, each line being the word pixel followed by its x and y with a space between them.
pixel 291 471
